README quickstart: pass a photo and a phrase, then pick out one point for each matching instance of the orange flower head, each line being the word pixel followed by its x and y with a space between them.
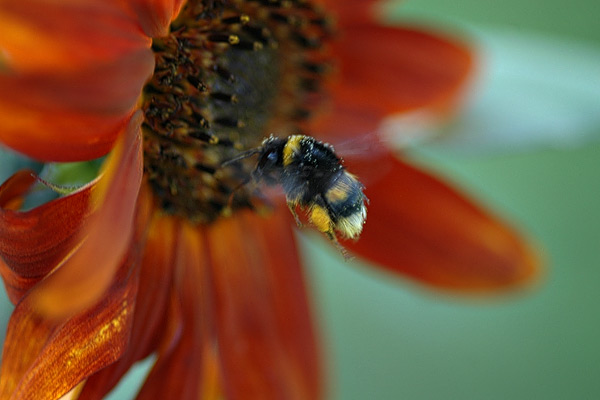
pixel 177 249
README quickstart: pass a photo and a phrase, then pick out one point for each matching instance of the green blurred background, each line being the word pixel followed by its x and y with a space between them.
pixel 391 339
pixel 387 338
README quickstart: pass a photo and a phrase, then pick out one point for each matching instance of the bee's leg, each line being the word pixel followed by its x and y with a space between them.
pixel 292 206
pixel 246 181
pixel 261 203
pixel 320 216
pixel 331 236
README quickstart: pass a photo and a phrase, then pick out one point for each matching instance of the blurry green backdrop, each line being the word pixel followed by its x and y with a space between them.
pixel 387 338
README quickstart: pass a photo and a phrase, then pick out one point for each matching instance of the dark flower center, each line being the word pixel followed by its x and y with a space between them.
pixel 228 74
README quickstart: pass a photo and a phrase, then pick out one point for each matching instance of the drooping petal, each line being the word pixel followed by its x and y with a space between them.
pixel 151 307
pixel 67 36
pixel 44 359
pixel 421 227
pixel 33 242
pixel 81 278
pixel 186 367
pixel 156 15
pixel 266 340
pixel 384 71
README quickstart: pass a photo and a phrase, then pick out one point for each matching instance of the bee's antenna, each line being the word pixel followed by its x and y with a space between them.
pixel 246 154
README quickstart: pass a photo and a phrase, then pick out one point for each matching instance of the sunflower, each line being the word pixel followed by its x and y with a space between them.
pixel 166 253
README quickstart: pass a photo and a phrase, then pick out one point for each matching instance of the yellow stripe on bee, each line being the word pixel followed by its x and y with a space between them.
pixel 338 193
pixel 320 219
pixel 291 147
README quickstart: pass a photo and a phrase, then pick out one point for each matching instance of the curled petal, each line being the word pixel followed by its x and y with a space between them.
pixel 187 365
pixel 151 307
pixel 13 191
pixel 420 227
pixel 265 334
pixel 81 278
pixel 156 15
pixel 44 359
pixel 67 36
pixel 33 242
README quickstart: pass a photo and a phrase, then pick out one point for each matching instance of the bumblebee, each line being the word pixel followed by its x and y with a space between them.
pixel 314 179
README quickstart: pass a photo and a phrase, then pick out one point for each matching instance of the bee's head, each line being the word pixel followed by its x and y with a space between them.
pixel 270 157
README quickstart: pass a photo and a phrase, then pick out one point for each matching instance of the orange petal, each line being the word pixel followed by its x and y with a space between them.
pixel 186 367
pixel 88 271
pixel 13 191
pixel 73 116
pixel 51 136
pixel 151 307
pixel 44 359
pixel 266 338
pixel 67 36
pixel 104 88
pixel 386 70
pixel 33 242
pixel 420 227
pixel 156 15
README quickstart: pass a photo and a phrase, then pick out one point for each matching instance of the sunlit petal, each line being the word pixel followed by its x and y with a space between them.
pixel 151 307
pixel 420 227
pixel 44 359
pixel 87 273
pixel 266 339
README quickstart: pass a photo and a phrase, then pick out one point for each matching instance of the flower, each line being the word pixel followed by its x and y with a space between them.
pixel 142 260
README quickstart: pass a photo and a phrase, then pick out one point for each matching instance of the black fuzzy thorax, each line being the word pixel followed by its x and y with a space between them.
pixel 312 171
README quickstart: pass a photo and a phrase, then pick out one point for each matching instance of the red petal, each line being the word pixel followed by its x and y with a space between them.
pixel 266 339
pixel 156 15
pixel 187 370
pixel 12 192
pixel 420 227
pixel 151 307
pixel 82 278
pixel 73 73
pixel 44 359
pixel 49 136
pixel 45 35
pixel 33 242
pixel 350 11
pixel 393 70
pixel 74 116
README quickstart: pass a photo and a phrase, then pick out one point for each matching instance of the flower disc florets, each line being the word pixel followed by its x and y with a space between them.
pixel 228 74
